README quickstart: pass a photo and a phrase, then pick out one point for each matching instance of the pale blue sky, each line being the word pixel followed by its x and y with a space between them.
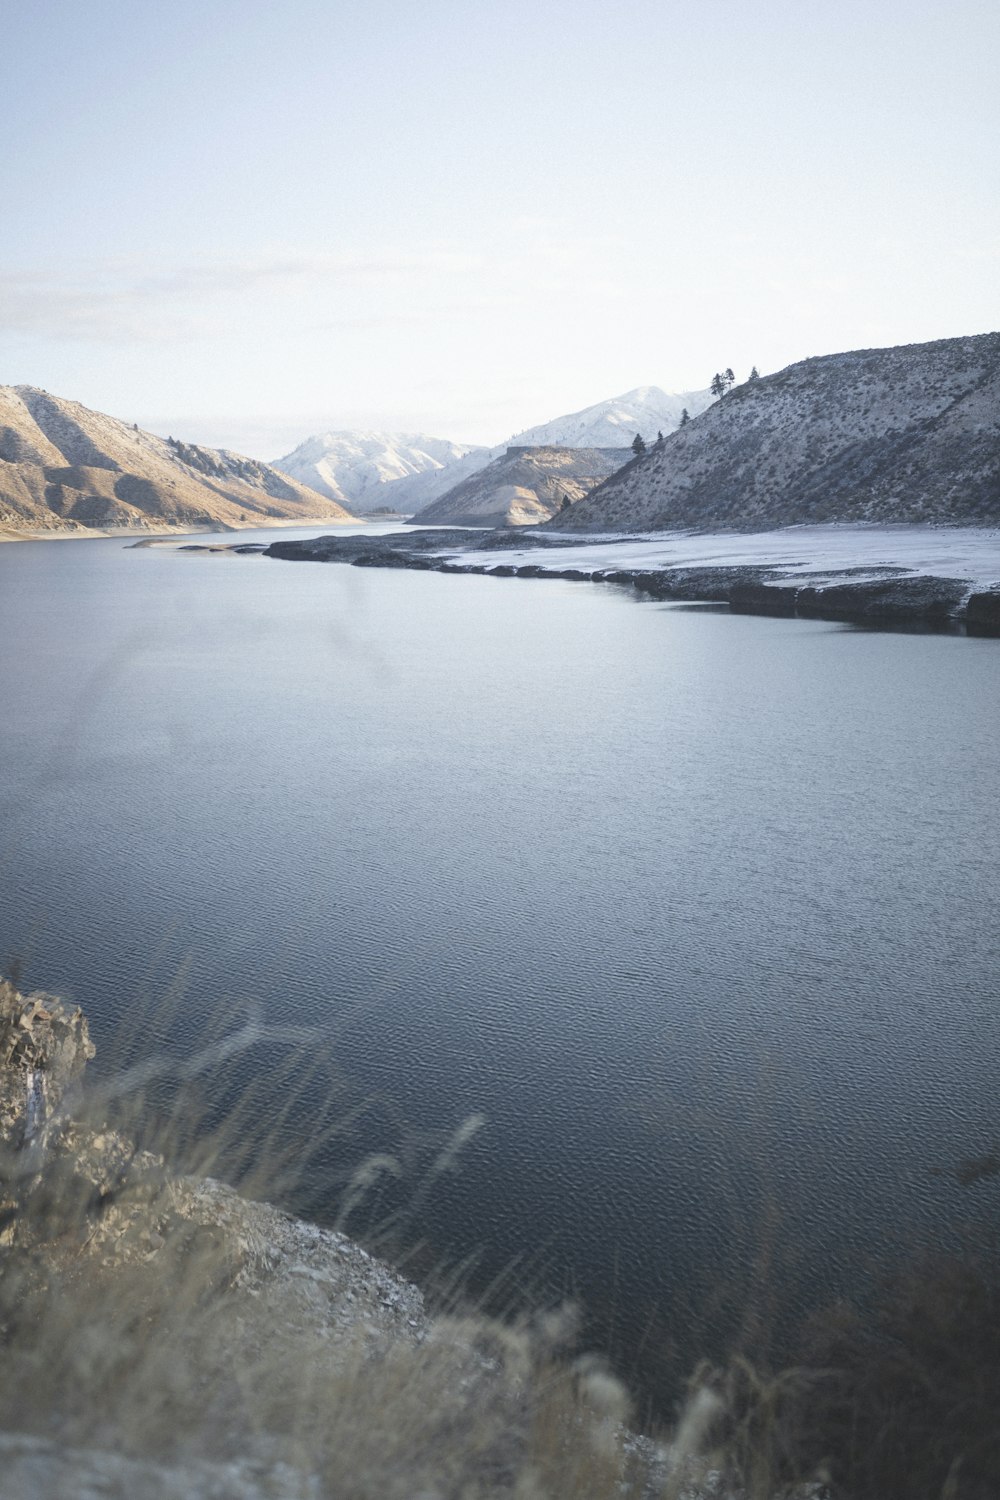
pixel 244 221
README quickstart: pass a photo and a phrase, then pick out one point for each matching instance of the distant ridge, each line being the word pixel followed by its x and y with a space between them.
pixel 409 472
pixel 366 470
pixel 614 423
pixel 64 467
pixel 903 434
pixel 523 486
pixel 604 432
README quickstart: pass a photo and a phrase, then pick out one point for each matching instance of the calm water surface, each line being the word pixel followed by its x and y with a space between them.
pixel 698 911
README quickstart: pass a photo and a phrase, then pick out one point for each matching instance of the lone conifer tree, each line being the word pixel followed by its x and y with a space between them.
pixel 729 378
pixel 638 446
pixel 718 386
pixel 754 374
pixel 685 417
pixel 565 504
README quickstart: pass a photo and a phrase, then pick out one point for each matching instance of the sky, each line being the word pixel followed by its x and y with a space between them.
pixel 240 222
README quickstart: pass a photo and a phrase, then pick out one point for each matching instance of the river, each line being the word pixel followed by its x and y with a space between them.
pixel 691 917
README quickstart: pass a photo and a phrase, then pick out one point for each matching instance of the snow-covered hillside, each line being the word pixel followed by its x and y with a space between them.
pixel 605 431
pixel 368 470
pixel 909 434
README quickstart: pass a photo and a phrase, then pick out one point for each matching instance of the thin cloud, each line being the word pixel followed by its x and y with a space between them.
pixel 121 302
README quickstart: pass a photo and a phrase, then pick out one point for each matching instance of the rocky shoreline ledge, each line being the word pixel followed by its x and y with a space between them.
pixel 162 1336
pixel 877 596
pixel 165 1337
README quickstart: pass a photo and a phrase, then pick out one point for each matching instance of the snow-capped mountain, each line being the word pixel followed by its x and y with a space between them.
pixel 368 470
pixel 497 497
pixel 614 423
pixel 408 471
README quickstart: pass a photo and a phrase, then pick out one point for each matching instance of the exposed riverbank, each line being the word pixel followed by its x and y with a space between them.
pixel 920 577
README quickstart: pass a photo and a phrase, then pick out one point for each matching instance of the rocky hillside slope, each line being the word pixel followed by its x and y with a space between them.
pixel 368 470
pixel 906 434
pixel 64 467
pixel 523 486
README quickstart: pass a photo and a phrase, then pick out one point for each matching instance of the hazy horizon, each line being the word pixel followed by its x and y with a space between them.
pixel 245 224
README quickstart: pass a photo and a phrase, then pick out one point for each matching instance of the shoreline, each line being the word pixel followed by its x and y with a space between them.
pixel 166 533
pixel 930 578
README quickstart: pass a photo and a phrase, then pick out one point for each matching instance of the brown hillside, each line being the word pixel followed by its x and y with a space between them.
pixel 66 468
pixel 524 486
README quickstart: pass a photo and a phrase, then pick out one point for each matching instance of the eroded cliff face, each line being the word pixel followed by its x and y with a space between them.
pixel 44 1048
pixel 909 434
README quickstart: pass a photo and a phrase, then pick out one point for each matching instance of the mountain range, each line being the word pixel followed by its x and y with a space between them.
pixel 907 434
pixel 64 468
pixel 367 471
pixel 408 472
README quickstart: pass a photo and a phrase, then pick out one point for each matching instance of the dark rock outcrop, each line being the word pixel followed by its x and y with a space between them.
pixel 901 600
pixel 982 613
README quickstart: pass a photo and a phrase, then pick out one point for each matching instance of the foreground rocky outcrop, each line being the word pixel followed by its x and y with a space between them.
pixel 163 1336
pixel 885 595
pixel 65 468
pixel 906 434
pixel 44 1048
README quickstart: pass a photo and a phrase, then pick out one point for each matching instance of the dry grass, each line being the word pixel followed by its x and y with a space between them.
pixel 905 1401
pixel 149 1315
pixel 168 1357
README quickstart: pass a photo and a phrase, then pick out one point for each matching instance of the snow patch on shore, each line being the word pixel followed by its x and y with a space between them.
pixel 966 552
